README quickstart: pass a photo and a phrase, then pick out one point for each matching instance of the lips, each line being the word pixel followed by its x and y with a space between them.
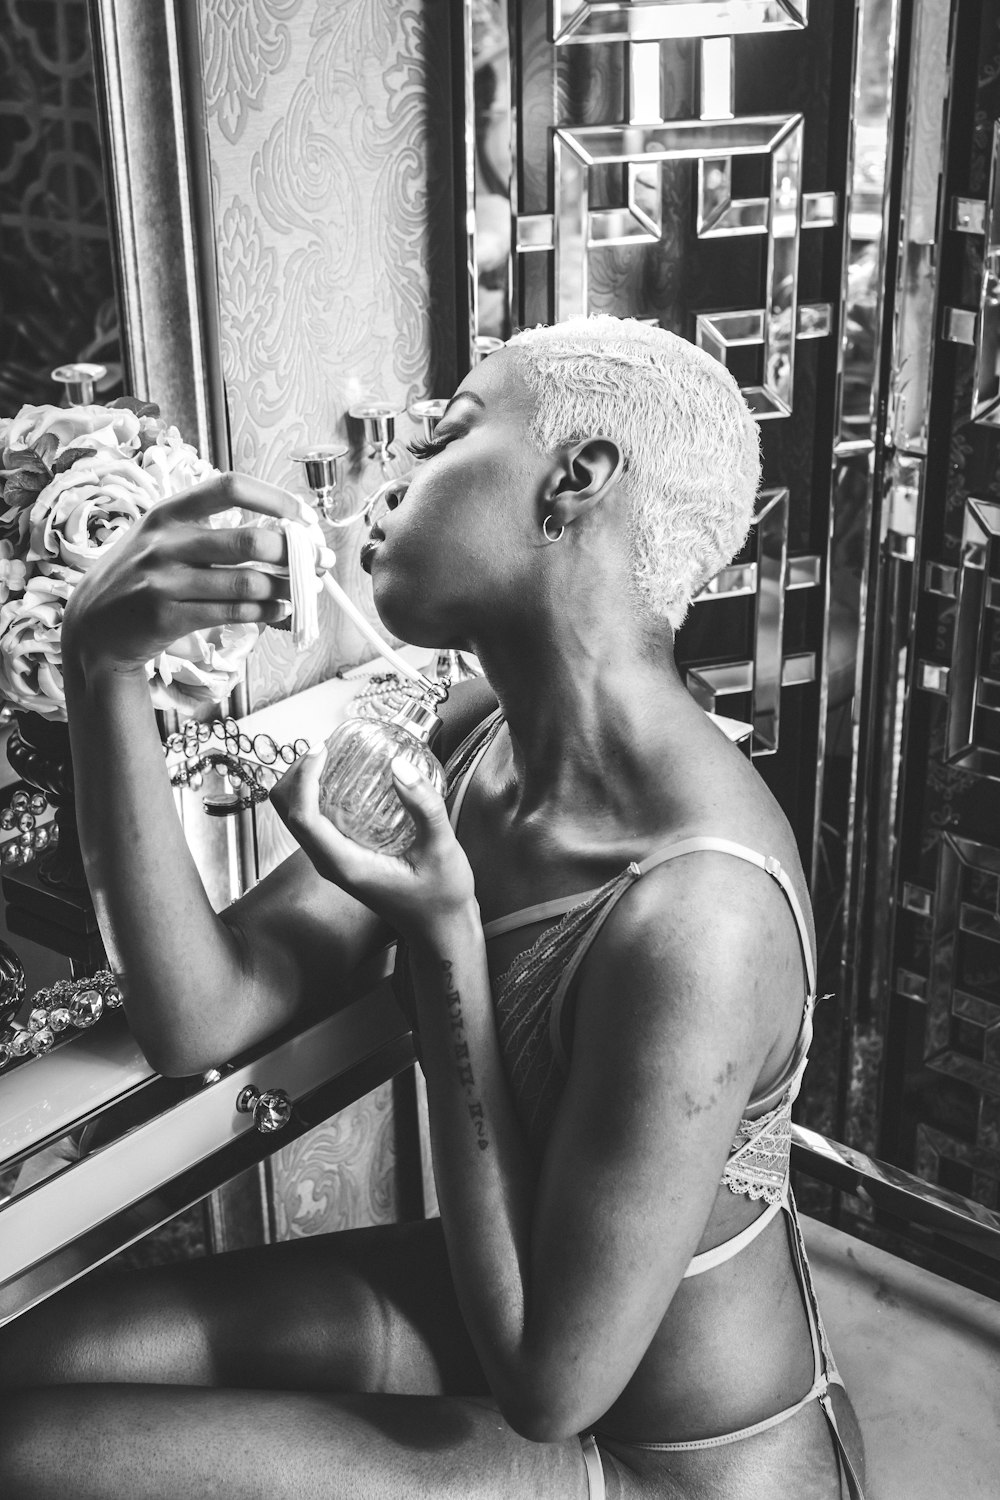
pixel 370 547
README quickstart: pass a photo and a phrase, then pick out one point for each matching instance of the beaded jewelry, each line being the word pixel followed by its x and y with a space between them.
pixel 69 1003
pixel 248 763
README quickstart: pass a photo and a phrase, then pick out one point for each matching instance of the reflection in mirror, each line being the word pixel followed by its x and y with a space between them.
pixel 55 260
pixel 863 312
pixel 491 167
pixel 59 320
pixel 673 164
pixel 586 21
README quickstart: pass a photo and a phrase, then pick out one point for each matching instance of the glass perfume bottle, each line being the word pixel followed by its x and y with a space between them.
pixel 357 792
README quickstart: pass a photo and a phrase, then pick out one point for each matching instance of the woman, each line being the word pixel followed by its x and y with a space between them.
pixel 613 1300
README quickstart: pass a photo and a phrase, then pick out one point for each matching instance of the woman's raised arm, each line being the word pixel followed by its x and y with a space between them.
pixel 198 987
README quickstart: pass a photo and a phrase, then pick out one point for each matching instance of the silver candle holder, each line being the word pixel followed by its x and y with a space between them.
pixel 379 420
pixel 79 381
pixel 321 470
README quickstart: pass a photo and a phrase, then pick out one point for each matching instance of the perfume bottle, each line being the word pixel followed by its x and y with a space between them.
pixel 357 792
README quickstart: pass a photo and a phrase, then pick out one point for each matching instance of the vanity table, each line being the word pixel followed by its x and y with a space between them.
pixel 108 1150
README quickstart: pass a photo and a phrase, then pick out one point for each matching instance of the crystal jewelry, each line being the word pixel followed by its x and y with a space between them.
pixel 22 813
pixel 548 534
pixel 69 1004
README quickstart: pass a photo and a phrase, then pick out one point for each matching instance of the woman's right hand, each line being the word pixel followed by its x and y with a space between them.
pixel 172 574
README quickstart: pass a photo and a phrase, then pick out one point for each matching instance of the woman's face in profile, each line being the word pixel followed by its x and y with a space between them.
pixel 455 543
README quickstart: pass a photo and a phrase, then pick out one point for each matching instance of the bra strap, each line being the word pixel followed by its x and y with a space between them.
pixel 662 856
pixel 765 862
pixel 467 757
pixel 628 876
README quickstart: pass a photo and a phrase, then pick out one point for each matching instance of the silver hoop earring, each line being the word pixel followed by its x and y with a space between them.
pixel 549 537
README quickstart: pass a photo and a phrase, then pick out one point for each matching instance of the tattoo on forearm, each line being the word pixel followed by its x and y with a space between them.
pixel 462 1055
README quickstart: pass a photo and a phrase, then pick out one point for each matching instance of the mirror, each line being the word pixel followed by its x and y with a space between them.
pixel 64 277
pixel 266 206
pixel 723 174
pixel 59 305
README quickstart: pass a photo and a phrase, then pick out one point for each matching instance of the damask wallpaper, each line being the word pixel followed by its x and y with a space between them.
pixel 330 143
pixel 329 130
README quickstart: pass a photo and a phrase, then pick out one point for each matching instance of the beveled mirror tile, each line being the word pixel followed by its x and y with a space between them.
pixel 968 215
pixel 581 21
pixel 986 323
pixel 933 677
pixel 717 81
pixel 534 232
pixel 913 986
pixel 771 528
pixel 820 210
pixel 941 579
pixel 971 689
pixel 730 583
pixel 804 572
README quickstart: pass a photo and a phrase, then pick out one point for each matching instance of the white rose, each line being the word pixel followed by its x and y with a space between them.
pixel 175 464
pixel 87 508
pixel 13 573
pixel 50 430
pixel 202 667
pixel 30 647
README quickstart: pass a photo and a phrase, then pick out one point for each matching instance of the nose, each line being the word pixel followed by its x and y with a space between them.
pixel 386 498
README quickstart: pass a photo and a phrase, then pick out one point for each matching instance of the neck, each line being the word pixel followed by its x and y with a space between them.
pixel 595 716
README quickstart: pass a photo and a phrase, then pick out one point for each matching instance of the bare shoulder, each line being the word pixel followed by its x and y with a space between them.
pixel 705 953
pixel 728 798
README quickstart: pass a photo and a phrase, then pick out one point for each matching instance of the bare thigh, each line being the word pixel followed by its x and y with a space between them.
pixel 366 1310
pixel 169 1442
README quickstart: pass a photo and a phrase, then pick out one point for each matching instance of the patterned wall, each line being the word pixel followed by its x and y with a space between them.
pixel 330 140
pixel 327 120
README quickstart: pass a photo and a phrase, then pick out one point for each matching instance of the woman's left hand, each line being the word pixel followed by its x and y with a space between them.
pixel 418 893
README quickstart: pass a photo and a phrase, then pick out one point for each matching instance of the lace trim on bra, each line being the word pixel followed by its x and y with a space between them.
pixel 760 1154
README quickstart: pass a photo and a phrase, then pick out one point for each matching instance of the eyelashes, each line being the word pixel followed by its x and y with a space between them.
pixel 426 447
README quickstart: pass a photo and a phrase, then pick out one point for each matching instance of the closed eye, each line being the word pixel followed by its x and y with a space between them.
pixel 426 447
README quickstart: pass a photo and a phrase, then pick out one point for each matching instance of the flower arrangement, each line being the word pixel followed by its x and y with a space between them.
pixel 72 482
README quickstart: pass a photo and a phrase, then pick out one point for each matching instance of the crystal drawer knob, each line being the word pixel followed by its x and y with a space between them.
pixel 271 1109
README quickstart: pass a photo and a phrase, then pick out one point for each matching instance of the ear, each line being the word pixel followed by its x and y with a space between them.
pixel 585 474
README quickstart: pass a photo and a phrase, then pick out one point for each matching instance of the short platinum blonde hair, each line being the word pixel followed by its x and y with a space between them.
pixel 690 444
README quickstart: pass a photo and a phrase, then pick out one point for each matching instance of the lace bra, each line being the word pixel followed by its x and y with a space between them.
pixel 534 1010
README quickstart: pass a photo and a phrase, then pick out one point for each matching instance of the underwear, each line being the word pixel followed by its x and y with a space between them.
pixel 596 1487
pixel 825 1374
